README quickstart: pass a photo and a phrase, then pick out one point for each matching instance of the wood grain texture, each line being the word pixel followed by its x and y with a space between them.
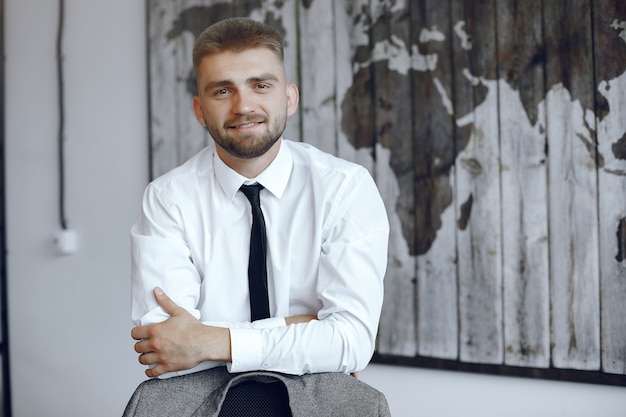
pixel 609 64
pixel 478 179
pixel 355 78
pixel 318 75
pixel 190 135
pixel 391 93
pixel 162 73
pixel 524 184
pixel 433 160
pixel 572 179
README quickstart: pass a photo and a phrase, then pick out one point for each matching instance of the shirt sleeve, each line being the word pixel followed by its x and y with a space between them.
pixel 160 257
pixel 350 286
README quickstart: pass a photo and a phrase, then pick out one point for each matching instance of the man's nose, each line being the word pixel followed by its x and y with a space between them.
pixel 243 102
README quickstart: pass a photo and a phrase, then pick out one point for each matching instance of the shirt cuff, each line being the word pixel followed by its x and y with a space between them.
pixel 200 367
pixel 245 345
pixel 269 323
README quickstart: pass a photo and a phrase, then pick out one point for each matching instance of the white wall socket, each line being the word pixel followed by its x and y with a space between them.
pixel 66 241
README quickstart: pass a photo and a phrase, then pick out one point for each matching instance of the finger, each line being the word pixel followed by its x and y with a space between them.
pixel 148 359
pixel 143 346
pixel 155 372
pixel 166 302
pixel 140 332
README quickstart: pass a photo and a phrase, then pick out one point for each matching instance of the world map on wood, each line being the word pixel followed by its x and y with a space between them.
pixel 496 133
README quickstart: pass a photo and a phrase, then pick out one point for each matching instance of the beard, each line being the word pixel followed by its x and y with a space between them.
pixel 248 145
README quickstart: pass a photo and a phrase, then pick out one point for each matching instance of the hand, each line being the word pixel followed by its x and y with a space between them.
pixel 180 342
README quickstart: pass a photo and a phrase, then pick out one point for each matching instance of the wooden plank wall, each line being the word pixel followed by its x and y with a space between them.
pixel 496 132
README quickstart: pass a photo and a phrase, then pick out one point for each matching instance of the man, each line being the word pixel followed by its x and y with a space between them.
pixel 326 229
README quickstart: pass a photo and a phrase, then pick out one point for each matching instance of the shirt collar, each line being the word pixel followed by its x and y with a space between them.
pixel 274 178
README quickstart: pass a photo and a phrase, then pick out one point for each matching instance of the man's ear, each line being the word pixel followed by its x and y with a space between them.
pixel 197 109
pixel 293 97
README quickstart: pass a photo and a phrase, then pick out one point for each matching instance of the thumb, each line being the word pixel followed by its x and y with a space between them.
pixel 166 302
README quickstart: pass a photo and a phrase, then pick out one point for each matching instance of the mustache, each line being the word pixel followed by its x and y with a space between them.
pixel 236 121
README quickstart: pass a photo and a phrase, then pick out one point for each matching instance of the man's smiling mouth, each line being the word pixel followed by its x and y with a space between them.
pixel 245 122
pixel 246 125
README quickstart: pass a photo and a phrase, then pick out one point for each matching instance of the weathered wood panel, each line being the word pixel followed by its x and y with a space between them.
pixel 612 208
pixel 478 191
pixel 317 76
pixel 354 92
pixel 284 17
pixel 524 185
pixel 433 158
pixel 383 69
pixel 572 176
pixel 610 67
pixel 162 74
pixel 495 132
pixel 190 137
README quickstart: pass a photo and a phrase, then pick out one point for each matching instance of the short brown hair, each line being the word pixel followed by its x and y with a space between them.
pixel 236 34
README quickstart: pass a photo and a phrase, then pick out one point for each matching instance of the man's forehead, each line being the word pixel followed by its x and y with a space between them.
pixel 262 55
pixel 250 63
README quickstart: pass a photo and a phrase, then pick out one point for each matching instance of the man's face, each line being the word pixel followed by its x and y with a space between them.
pixel 244 100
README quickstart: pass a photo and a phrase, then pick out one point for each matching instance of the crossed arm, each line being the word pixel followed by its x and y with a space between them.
pixel 182 341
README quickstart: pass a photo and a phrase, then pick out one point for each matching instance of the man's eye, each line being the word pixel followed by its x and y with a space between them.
pixel 262 86
pixel 221 92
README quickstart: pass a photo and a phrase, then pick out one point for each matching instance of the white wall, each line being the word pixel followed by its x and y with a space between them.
pixel 414 392
pixel 71 353
pixel 70 345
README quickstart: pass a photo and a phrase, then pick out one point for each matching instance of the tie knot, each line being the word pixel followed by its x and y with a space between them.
pixel 252 192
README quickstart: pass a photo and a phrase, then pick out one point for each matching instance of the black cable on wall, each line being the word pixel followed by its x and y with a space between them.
pixel 5 363
pixel 61 133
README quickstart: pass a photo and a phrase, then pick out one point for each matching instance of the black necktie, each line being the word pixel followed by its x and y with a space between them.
pixel 257 268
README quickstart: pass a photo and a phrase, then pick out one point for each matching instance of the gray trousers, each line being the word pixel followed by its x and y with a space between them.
pixel 202 394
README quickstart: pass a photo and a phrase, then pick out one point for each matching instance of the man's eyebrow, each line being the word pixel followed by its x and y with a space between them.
pixel 263 77
pixel 252 80
pixel 216 84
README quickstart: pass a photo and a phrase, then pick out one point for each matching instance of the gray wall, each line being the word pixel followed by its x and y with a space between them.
pixel 71 351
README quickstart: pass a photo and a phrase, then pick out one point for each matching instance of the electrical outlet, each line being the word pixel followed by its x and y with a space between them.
pixel 66 241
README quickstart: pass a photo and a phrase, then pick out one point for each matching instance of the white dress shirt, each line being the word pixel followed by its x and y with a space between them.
pixel 327 236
